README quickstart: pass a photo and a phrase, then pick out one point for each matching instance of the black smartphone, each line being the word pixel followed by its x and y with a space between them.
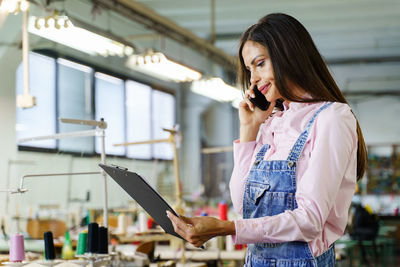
pixel 259 100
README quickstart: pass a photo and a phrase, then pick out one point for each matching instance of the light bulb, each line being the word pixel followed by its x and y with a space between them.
pixel 37 26
pixel 67 23
pixel 60 21
pixel 140 60
pixel 24 5
pixel 50 22
pixel 147 59
pixel 155 58
pixel 39 23
pixel 128 50
pixel 10 6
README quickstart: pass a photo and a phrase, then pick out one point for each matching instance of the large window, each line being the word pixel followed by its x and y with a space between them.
pixel 133 111
pixel 41 119
pixel 138 119
pixel 163 113
pixel 74 102
pixel 109 102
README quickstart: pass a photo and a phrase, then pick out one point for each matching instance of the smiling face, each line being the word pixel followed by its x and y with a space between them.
pixel 258 63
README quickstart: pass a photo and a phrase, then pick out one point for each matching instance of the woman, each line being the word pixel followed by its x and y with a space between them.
pixel 295 170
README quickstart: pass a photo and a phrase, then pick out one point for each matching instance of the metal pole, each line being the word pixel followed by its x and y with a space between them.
pixel 178 192
pixel 21 185
pixel 103 161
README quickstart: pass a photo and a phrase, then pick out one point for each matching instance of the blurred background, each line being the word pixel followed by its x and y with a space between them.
pixel 163 73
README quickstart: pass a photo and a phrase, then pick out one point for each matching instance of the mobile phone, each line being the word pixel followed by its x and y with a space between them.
pixel 261 102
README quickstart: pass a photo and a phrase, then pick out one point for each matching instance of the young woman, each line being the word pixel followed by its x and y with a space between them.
pixel 295 170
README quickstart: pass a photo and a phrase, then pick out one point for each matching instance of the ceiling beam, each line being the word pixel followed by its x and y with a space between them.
pixel 357 60
pixel 166 27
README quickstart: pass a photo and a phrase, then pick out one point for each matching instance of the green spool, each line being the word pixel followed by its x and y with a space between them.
pixel 82 240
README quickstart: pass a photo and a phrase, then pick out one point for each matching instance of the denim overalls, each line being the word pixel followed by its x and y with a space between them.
pixel 270 189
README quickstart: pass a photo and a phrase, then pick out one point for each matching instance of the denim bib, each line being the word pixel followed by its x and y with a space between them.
pixel 270 189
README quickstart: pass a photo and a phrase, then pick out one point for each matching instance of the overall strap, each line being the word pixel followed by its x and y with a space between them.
pixel 260 155
pixel 298 147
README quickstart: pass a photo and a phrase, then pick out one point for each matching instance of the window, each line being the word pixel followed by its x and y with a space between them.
pixel 133 111
pixel 138 119
pixel 41 119
pixel 109 102
pixel 163 116
pixel 74 101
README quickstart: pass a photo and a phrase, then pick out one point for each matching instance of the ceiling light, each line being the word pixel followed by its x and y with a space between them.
pixel 159 66
pixel 61 30
pixel 9 6
pixel 14 6
pixel 49 22
pixel 23 5
pixel 217 89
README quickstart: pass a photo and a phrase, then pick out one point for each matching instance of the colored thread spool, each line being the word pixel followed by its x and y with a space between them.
pixel 93 237
pixel 82 242
pixel 17 248
pixel 122 224
pixel 67 253
pixel 142 221
pixel 49 251
pixel 223 211
pixel 150 222
pixel 229 243
pixel 103 240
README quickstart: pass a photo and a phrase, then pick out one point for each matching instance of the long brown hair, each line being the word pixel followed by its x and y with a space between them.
pixel 296 59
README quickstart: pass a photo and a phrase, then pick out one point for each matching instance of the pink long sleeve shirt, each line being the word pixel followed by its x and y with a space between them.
pixel 326 176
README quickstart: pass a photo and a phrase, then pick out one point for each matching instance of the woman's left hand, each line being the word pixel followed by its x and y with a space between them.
pixel 198 230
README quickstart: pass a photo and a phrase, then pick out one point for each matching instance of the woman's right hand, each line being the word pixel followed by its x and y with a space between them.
pixel 251 117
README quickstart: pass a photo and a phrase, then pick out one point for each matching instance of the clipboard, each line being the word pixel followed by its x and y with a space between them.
pixel 144 194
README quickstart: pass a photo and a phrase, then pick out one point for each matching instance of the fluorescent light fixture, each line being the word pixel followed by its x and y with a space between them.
pixel 159 66
pixel 14 6
pixel 217 89
pixel 61 30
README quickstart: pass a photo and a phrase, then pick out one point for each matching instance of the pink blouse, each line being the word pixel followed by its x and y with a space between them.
pixel 326 176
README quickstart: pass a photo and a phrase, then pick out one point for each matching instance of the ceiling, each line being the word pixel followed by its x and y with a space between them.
pixel 347 32
pixel 360 39
pixel 342 29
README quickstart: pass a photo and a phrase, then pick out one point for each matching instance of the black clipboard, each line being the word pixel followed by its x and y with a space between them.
pixel 144 194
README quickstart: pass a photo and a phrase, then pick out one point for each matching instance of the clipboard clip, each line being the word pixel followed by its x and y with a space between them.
pixel 119 167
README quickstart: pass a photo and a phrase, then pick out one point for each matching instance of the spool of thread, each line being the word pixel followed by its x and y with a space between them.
pixel 142 221
pixel 150 222
pixel 17 248
pixel 82 241
pixel 93 237
pixel 49 251
pixel 223 210
pixel 67 253
pixel 229 243
pixel 103 240
pixel 122 223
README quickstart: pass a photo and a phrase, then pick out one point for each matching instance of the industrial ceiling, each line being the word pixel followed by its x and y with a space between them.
pixel 341 28
pixel 345 31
